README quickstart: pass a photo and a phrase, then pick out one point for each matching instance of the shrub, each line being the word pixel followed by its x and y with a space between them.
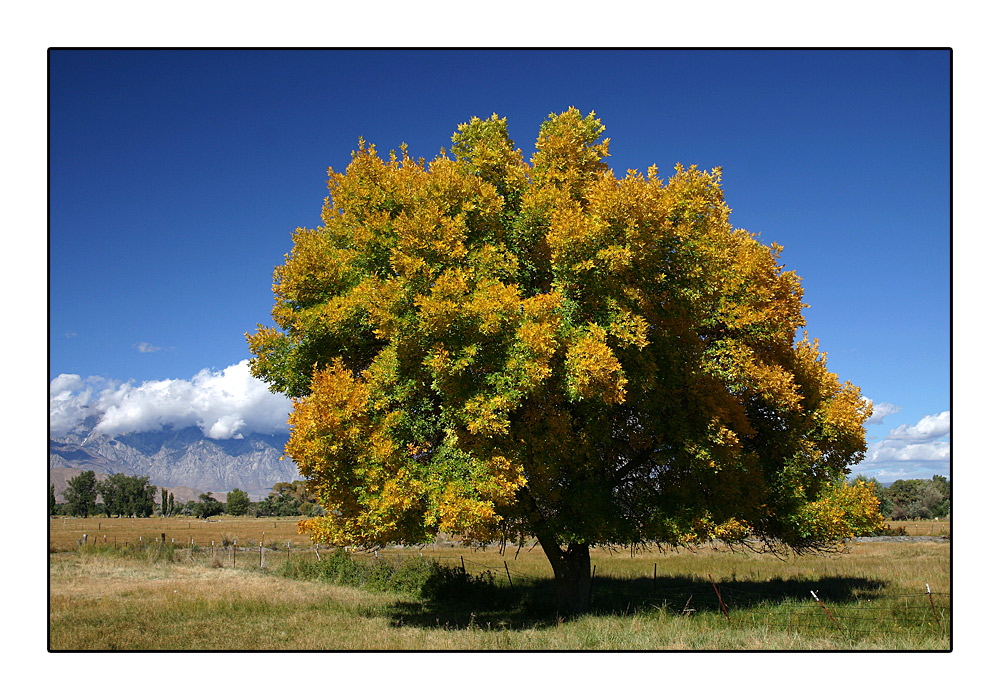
pixel 413 576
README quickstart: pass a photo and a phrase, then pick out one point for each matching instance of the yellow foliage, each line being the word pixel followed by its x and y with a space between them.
pixel 847 511
pixel 442 327
pixel 593 371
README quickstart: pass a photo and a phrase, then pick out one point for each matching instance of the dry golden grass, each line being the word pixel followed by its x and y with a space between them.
pixel 922 528
pixel 64 533
pixel 100 602
pixel 107 601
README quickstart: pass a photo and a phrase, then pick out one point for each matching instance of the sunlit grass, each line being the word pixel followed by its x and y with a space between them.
pixel 102 598
pixel 65 534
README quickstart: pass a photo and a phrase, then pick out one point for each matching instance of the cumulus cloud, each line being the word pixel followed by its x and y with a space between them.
pixel 223 404
pixel 896 451
pixel 881 410
pixel 927 428
pixel 69 402
pixel 912 451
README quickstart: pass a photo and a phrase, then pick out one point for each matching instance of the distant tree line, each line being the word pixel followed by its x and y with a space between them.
pixel 913 499
pixel 133 496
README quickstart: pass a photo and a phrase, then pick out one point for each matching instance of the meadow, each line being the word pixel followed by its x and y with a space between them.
pixel 268 592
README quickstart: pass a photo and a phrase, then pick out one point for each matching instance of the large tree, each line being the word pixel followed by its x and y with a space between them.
pixel 207 505
pixel 81 493
pixel 128 496
pixel 237 502
pixel 483 346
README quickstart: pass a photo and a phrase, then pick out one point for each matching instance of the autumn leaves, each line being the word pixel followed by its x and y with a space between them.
pixel 485 346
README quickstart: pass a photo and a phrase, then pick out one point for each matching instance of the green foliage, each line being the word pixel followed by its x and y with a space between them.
pixel 912 499
pixel 206 506
pixel 237 502
pixel 402 575
pixel 916 499
pixel 285 499
pixel 52 499
pixel 278 505
pixel 412 576
pixel 128 496
pixel 81 494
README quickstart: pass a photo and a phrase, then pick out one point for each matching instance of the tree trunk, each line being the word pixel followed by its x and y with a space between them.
pixel 571 567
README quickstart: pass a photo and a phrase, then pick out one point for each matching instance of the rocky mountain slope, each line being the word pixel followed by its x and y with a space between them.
pixel 176 458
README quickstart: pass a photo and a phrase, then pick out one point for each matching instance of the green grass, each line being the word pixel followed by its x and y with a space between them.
pixel 107 598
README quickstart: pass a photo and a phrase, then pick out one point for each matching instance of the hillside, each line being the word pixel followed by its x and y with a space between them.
pixel 175 459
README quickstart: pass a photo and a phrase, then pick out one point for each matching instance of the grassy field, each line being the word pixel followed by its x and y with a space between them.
pixel 922 528
pixel 117 595
pixel 65 533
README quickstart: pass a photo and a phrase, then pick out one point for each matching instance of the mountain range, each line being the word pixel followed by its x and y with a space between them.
pixel 180 460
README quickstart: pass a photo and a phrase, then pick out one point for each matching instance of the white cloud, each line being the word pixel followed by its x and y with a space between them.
pixel 70 401
pixel 928 428
pixel 911 452
pixel 222 404
pixel 895 451
pixel 146 347
pixel 881 410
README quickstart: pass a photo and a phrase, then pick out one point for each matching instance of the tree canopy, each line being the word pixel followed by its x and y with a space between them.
pixel 207 505
pixel 503 349
pixel 81 494
pixel 125 495
pixel 237 502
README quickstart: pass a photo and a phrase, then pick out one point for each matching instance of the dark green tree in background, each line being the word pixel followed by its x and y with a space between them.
pixel 207 505
pixel 128 496
pixel 911 499
pixel 917 499
pixel 289 498
pixel 237 502
pixel 81 494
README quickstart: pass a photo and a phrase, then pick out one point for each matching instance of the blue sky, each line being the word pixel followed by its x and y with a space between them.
pixel 176 177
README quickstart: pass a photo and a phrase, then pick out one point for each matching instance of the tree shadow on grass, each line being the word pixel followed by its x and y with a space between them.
pixel 531 604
